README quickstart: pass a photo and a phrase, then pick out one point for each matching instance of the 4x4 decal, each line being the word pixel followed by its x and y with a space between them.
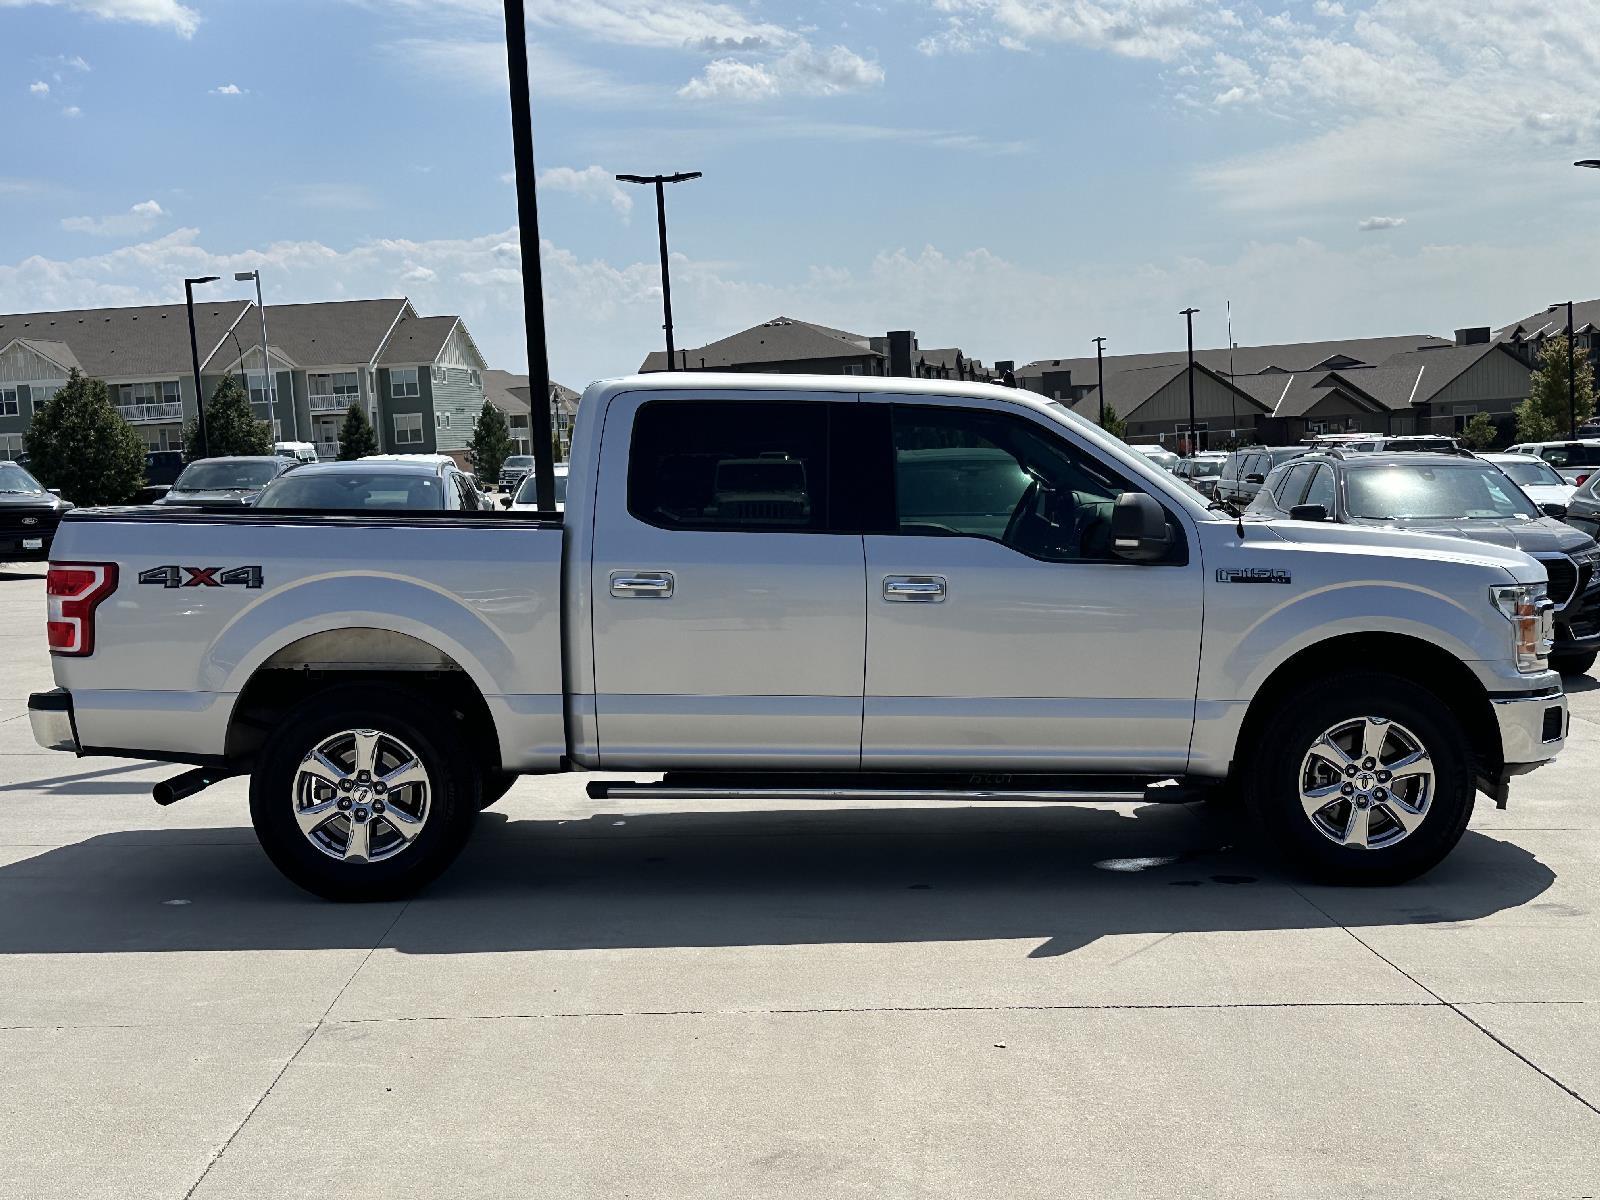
pixel 176 577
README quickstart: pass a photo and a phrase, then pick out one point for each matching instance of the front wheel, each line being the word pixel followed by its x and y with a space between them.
pixel 363 794
pixel 1362 779
pixel 1574 664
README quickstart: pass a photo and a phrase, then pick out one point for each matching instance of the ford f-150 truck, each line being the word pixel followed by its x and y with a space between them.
pixel 794 587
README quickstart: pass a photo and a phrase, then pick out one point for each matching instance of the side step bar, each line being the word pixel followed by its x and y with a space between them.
pixel 964 787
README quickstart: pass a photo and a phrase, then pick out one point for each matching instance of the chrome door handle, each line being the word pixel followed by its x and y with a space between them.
pixel 923 589
pixel 642 585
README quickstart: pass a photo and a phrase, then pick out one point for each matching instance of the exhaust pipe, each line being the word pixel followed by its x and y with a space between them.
pixel 170 791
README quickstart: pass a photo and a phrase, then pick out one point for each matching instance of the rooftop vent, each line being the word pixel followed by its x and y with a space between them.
pixel 1477 335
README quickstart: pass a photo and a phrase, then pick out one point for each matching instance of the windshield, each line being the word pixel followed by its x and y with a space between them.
pixel 1205 467
pixel 219 475
pixel 527 492
pixel 14 479
pixel 1472 491
pixel 1532 474
pixel 355 491
pixel 1571 456
pixel 517 462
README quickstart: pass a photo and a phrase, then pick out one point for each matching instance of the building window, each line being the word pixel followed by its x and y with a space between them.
pixel 170 393
pixel 852 368
pixel 256 383
pixel 8 402
pixel 477 380
pixel 407 429
pixel 403 383
pixel 438 374
pixel 441 421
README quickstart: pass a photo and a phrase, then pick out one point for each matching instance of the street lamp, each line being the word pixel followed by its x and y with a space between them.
pixel 270 375
pixel 194 353
pixel 661 230
pixel 1188 317
pixel 1100 369
pixel 1572 372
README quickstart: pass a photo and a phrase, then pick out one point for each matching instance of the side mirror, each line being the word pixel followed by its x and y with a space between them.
pixel 1308 512
pixel 505 501
pixel 1255 478
pixel 56 492
pixel 1139 530
pixel 1558 511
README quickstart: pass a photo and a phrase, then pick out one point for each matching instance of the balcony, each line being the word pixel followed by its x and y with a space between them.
pixel 332 402
pixel 327 450
pixel 144 414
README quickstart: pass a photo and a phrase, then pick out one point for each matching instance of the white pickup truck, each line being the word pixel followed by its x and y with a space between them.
pixel 794 587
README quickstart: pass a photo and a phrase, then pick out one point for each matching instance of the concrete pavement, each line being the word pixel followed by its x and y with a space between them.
pixel 618 999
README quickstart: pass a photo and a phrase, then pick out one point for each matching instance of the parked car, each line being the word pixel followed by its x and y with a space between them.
pixel 1202 471
pixel 29 515
pixel 301 452
pixel 375 484
pixel 1575 460
pixel 1246 468
pixel 513 470
pixel 524 500
pixel 227 482
pixel 384 678
pixel 1160 455
pixel 162 467
pixel 1542 482
pixel 1457 496
pixel 1405 443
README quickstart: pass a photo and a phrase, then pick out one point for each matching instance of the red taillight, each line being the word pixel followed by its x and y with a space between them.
pixel 72 592
pixel 1583 478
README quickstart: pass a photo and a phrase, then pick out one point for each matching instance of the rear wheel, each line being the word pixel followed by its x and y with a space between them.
pixel 1362 779
pixel 1573 664
pixel 363 794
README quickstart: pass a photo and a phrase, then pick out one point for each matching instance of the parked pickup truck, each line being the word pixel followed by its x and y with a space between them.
pixel 791 587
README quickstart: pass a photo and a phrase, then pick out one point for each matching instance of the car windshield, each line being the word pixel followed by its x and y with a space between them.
pixel 1205 467
pixel 1571 456
pixel 219 475
pixel 14 479
pixel 1471 491
pixel 1286 454
pixel 1532 474
pixel 527 492
pixel 354 491
pixel 517 462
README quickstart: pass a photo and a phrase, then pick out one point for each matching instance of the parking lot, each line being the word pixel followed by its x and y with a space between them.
pixel 623 1000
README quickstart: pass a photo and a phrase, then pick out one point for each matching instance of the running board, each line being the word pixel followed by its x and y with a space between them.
pixel 965 787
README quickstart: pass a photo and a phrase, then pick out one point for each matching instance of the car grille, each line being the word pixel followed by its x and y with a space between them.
pixel 28 522
pixel 1563 573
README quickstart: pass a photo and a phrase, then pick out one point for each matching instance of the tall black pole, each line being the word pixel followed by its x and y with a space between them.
pixel 194 353
pixel 1100 369
pixel 544 483
pixel 660 182
pixel 1572 378
pixel 1188 316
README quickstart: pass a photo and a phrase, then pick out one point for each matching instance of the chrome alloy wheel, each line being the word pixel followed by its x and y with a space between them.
pixel 1366 783
pixel 361 796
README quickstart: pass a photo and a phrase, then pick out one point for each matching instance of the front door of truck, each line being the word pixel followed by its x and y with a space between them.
pixel 1002 632
pixel 729 620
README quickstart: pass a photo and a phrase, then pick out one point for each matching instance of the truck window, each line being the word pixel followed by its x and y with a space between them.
pixel 1321 490
pixel 730 465
pixel 991 475
pixel 1293 486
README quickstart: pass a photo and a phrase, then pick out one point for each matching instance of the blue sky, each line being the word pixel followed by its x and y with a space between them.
pixel 1010 176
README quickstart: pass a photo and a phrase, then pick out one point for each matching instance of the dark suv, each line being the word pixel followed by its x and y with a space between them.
pixel 29 515
pixel 1247 467
pixel 1457 495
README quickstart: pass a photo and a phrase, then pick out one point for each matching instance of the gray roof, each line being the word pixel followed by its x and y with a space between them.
pixel 780 340
pixel 510 393
pixel 416 340
pixel 338 333
pixel 1127 388
pixel 1584 313
pixel 1246 360
pixel 114 343
pixel 56 352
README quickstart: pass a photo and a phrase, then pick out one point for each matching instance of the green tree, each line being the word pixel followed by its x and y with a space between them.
pixel 491 444
pixel 1544 416
pixel 1113 424
pixel 356 439
pixel 80 445
pixel 1480 432
pixel 231 428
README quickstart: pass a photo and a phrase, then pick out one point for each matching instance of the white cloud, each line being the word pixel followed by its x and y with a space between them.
pixel 804 71
pixel 228 89
pixel 167 14
pixel 141 218
pixel 594 182
pixel 481 66
pixel 72 110
pixel 1378 224
pixel 661 24
pixel 39 88
pixel 1157 29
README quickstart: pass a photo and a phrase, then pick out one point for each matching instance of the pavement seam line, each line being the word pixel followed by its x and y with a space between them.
pixel 283 1070
pixel 1467 1017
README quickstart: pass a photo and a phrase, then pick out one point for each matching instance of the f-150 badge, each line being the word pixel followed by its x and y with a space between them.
pixel 1253 575
pixel 176 577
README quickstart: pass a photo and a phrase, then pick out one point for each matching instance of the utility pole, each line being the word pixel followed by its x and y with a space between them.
pixel 1188 316
pixel 1100 370
pixel 660 182
pixel 544 482
pixel 194 352
pixel 1233 411
pixel 1572 378
pixel 268 373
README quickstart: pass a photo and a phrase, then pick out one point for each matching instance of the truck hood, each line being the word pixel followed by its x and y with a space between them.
pixel 217 498
pixel 1543 536
pixel 1387 542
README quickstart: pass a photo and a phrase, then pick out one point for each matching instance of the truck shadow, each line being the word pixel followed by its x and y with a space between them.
pixel 1056 877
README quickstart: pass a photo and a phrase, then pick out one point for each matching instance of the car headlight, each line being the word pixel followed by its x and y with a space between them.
pixel 1532 617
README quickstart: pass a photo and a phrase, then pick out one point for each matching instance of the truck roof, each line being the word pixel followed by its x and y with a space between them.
pixel 739 381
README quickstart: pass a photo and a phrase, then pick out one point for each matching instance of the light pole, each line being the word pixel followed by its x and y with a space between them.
pixel 1100 371
pixel 194 353
pixel 1572 373
pixel 661 229
pixel 266 362
pixel 1188 317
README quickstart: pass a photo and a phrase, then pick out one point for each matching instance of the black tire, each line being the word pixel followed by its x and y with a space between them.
pixel 1282 742
pixel 1574 664
pixel 451 793
pixel 492 785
